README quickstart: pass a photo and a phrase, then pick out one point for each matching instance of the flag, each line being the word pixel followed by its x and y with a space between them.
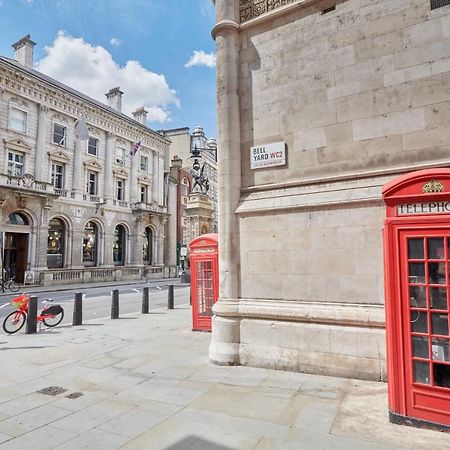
pixel 135 147
pixel 81 130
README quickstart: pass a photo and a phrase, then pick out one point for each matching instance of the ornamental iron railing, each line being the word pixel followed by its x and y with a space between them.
pixel 249 9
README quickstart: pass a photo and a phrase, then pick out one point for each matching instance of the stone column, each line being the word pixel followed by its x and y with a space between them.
pixel 161 180
pixel 154 177
pixel 77 185
pixel 133 179
pixel 108 188
pixel 41 161
pixel 224 347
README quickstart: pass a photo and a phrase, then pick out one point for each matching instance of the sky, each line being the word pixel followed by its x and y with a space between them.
pixel 159 52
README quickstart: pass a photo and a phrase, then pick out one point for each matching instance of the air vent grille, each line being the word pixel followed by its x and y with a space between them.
pixel 439 3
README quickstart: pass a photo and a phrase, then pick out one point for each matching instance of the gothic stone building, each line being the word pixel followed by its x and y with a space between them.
pixel 77 210
pixel 353 93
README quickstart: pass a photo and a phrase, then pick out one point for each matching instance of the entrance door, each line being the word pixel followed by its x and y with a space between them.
pixel 425 287
pixel 16 255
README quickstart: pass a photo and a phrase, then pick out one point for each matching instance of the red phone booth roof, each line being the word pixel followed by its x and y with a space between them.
pixel 205 239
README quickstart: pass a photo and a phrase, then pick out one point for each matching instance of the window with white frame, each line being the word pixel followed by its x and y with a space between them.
pixel 15 163
pixel 92 146
pixel 58 175
pixel 18 120
pixel 121 156
pixel 144 191
pixel 144 163
pixel 120 189
pixel 59 134
pixel 92 181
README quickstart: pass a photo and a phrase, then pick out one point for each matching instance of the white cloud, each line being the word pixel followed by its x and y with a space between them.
pixel 200 58
pixel 115 41
pixel 92 71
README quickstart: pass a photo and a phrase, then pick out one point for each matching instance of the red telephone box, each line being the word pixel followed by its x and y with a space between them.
pixel 417 287
pixel 204 279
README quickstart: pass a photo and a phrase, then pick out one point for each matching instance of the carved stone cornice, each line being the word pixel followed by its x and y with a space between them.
pixel 18 144
pixel 44 109
pixel 60 156
pixel 93 164
pixel 121 173
pixel 19 102
pixel 249 9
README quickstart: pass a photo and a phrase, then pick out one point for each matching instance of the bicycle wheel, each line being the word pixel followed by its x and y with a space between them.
pixel 14 321
pixel 13 286
pixel 52 321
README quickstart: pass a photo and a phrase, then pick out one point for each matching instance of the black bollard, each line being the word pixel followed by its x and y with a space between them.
pixel 170 297
pixel 31 316
pixel 115 304
pixel 78 309
pixel 145 301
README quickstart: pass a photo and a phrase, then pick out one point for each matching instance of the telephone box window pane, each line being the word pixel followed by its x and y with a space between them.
pixel 420 347
pixel 439 324
pixel 436 273
pixel 419 323
pixel 421 372
pixel 417 296
pixel 439 348
pixel 415 249
pixel 438 298
pixel 416 272
pixel 436 248
pixel 441 374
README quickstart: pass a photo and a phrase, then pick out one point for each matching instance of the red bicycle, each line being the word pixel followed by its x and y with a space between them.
pixel 14 321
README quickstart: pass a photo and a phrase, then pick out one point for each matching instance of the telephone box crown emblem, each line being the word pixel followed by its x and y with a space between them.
pixel 433 186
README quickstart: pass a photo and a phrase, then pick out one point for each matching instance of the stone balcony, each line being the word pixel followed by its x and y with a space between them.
pixel 148 207
pixel 27 184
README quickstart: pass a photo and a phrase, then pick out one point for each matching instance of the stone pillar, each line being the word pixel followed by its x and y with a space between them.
pixel 77 185
pixel 161 180
pixel 224 347
pixel 41 161
pixel 77 246
pixel 155 178
pixel 133 179
pixel 136 243
pixel 108 188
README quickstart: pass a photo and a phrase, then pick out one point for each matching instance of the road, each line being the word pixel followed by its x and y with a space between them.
pixel 97 300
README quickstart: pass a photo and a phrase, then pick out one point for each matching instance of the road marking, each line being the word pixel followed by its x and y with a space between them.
pixel 135 290
pixel 157 287
pixel 6 304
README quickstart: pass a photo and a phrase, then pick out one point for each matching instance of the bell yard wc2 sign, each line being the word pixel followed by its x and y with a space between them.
pixel 268 155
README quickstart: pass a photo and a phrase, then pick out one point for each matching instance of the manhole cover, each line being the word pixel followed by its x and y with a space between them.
pixel 74 395
pixel 52 390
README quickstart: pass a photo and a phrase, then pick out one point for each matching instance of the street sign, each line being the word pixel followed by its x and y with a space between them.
pixel 268 155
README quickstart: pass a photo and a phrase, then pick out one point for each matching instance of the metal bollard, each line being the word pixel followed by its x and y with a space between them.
pixel 145 300
pixel 31 316
pixel 115 304
pixel 170 297
pixel 78 309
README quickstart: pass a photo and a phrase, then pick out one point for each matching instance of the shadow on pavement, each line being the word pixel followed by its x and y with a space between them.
pixel 197 443
pixel 26 348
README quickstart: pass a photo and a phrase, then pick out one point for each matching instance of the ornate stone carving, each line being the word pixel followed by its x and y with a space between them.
pixel 432 186
pixel 249 9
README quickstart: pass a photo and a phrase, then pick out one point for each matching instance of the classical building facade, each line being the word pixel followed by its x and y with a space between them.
pixel 78 210
pixel 352 94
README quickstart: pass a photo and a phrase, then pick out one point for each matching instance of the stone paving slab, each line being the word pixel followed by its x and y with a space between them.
pixel 146 383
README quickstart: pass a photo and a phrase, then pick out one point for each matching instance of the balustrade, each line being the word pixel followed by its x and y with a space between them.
pixel 249 9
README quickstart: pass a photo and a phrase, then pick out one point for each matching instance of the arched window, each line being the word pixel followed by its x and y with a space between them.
pixel 18 219
pixel 147 248
pixel 90 244
pixel 119 245
pixel 55 244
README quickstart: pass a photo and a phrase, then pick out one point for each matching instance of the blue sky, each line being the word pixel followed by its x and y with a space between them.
pixel 160 52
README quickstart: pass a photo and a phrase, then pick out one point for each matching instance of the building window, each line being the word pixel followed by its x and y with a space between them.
pixel 18 120
pixel 58 175
pixel 91 187
pixel 119 245
pixel 147 247
pixel 144 163
pixel 120 189
pixel 15 164
pixel 55 244
pixel 92 146
pixel 144 191
pixel 59 134
pixel 90 244
pixel 121 156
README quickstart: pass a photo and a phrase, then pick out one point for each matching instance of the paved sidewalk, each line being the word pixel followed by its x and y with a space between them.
pixel 144 382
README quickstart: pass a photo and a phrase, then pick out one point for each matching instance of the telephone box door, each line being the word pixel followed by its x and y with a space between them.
pixel 204 280
pixel 425 284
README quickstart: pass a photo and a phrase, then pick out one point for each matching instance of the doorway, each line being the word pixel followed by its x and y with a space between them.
pixel 15 256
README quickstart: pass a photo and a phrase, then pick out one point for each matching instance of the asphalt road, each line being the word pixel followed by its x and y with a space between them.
pixel 97 300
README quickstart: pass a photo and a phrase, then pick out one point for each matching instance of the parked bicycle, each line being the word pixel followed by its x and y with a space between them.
pixel 50 316
pixel 9 283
